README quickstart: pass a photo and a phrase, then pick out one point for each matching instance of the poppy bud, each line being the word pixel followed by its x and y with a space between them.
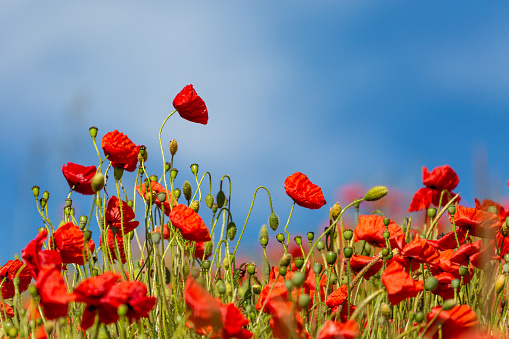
pixel 289 283
pixel 167 167
pixel 455 283
pixel 280 237
pixel 194 169
pixel 299 262
pixel 451 209
pixel 335 211
pixel 176 193
pixel 231 230
pixel 282 270
pixel 386 310
pixel 285 260
pixel 12 332
pixel 264 232
pixel 298 278
pixel 273 221
pixel 448 304
pixel 348 234
pixel 87 235
pixel 385 252
pixel 98 182
pixel 173 147
pixel 35 191
pixel 186 270
pixel 229 289
pixel 142 154
pixel 298 240
pixel 419 317
pixel 348 252
pixel 220 287
pixel 505 229
pixel 499 283
pixel 376 193
pixel 118 172
pixel 251 269
pixel 432 212
pixel 463 270
pixel 208 247
pixel 320 245
pixel 317 268
pixel 264 241
pixel 257 289
pixel 156 237
pixel 187 190
pixel 311 236
pixel 122 310
pixel 386 235
pixel 431 283
pixel 226 263
pixel 331 257
pixel 33 291
pixel 386 221
pixel 205 264
pixel 209 200
pixel 220 199
pixel 304 300
pixel 195 206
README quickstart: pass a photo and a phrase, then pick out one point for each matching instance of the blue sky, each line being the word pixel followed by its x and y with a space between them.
pixel 358 91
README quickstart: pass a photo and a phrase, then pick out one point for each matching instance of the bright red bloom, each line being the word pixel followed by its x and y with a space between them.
pixel 68 240
pixel 116 218
pixel 210 317
pixel 441 178
pixel 12 269
pixel 8 310
pixel 286 322
pixel 156 187
pixel 190 106
pixel 189 223
pixel 304 192
pixel 455 322
pixel 133 294
pixel 421 251
pixel 399 284
pixel 465 251
pixel 79 177
pixel 53 293
pixel 371 229
pixel 36 258
pixel 334 329
pixel 339 298
pixel 113 246
pixel 358 262
pixel 486 203
pixel 444 288
pixel 448 241
pixel 444 264
pixel 120 150
pixel 481 224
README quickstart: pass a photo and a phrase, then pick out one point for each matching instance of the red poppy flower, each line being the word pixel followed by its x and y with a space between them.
pixel 113 247
pixel 90 291
pixel 421 251
pixel 133 294
pixel 480 223
pixel 399 284
pixel 407 263
pixel 190 106
pixel 486 203
pixel 455 322
pixel 53 293
pixel 304 192
pixel 448 241
pixel 79 177
pixel 334 329
pixel 444 288
pixel 12 269
pixel 440 179
pixel 68 240
pixel 8 310
pixel 339 298
pixel 444 264
pixel 189 223
pixel 371 229
pixel 156 187
pixel 465 251
pixel 36 258
pixel 358 262
pixel 120 150
pixel 116 218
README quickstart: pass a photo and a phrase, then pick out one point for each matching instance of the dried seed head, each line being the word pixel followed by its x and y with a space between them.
pixel 334 211
pixel 505 229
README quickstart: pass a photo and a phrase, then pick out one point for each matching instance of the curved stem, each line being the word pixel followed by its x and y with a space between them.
pixel 161 145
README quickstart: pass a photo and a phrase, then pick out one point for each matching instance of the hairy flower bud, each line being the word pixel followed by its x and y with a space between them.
pixel 173 147
pixel 231 230
pixel 209 200
pixel 220 199
pixel 335 211
pixel 187 190
pixel 195 206
pixel 273 221
pixel 376 193
pixel 98 182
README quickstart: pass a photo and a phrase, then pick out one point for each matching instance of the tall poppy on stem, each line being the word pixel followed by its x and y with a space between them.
pixel 120 219
pixel 155 188
pixel 399 284
pixel 79 177
pixel 455 322
pixel 334 329
pixel 189 223
pixel 480 223
pixel 121 151
pixel 371 229
pixel 12 269
pixel 190 106
pixel 303 191
pixel 69 240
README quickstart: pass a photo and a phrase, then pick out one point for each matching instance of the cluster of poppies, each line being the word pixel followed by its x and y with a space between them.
pixel 437 278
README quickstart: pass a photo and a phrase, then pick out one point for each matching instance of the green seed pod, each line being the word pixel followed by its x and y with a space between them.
pixel 463 270
pixel 43 202
pixel 195 206
pixel 122 310
pixel 311 236
pixel 161 196
pixel 411 316
pixel 94 272
pixel 87 235
pixel 289 284
pixel 118 172
pixel 320 245
pixel 214 208
pixel 386 310
pixel 455 283
pixel 83 219
pixel 451 209
pixel 176 193
pixel 419 317
pixel 280 237
pixel 264 232
pixel 142 154
pixel 33 291
pixel 12 332
pixel 194 169
pixel 282 270
pixel 251 269
pixel 304 301
pixel 298 240
pixel 35 191
pixel 130 203
pixel 220 287
pixel 98 182
pixel 376 193
pixel 298 278
pixel 448 304
pixel 45 195
pixel 348 234
pixel 317 268
pixel 156 237
pixel 231 230
pixel 299 262
pixel 385 252
pixel 229 289
pixel 387 221
pixel 173 173
pixel 257 289
pixel 386 235
pixel 264 241
pixel 173 147
pixel 205 264
pixel 209 245
pixel 331 257
pixel 348 252
pixel 186 271
pixel 273 221
pixel 286 259
pixel 432 212
pixel 93 131
pixel 209 200
pixel 431 283
pixel 220 199
pixel 500 283
pixel 187 190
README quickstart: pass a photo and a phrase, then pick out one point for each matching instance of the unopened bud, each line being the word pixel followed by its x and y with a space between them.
pixel 231 230
pixel 187 190
pixel 195 206
pixel 220 199
pixel 335 211
pixel 285 260
pixel 173 147
pixel 500 283
pixel 376 193
pixel 209 200
pixel 386 310
pixel 448 304
pixel 97 182
pixel 264 232
pixel 273 221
